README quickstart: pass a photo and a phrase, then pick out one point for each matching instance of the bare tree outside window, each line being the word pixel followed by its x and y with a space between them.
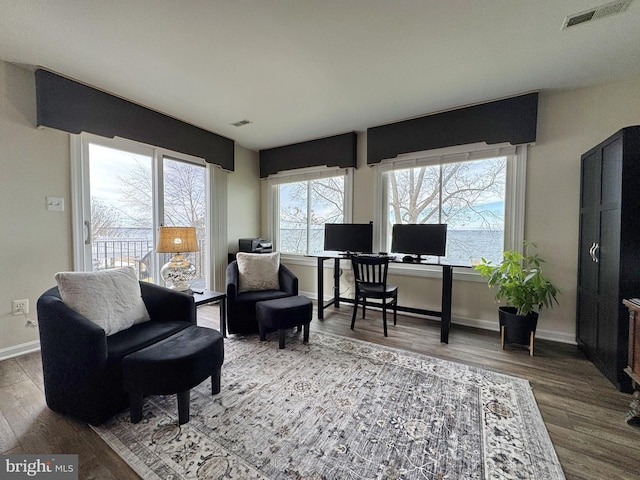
pixel 184 199
pixel 121 217
pixel 184 195
pixel 104 220
pixel 304 209
pixel 467 196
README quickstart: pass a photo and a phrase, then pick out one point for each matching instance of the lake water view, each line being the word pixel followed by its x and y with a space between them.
pixel 466 246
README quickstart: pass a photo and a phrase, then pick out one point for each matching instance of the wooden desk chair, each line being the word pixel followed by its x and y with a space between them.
pixel 370 273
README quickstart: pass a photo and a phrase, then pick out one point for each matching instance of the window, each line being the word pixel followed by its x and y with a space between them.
pixel 478 191
pixel 302 202
pixel 123 191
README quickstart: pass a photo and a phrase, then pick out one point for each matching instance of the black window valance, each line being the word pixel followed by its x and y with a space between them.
pixel 73 107
pixel 338 150
pixel 510 120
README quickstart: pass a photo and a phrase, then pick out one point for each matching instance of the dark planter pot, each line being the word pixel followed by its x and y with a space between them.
pixel 518 329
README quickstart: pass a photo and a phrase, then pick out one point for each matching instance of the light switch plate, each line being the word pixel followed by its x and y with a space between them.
pixel 55 204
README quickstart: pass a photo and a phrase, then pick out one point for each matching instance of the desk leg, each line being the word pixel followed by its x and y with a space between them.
pixel 336 282
pixel 320 274
pixel 445 321
pixel 223 317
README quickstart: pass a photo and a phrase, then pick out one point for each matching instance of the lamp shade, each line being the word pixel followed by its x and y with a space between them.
pixel 177 240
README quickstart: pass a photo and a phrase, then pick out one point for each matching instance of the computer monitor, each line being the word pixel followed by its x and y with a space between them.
pixel 348 237
pixel 419 239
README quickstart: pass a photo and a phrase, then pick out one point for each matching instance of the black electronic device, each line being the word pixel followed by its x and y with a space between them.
pixel 348 237
pixel 255 245
pixel 419 239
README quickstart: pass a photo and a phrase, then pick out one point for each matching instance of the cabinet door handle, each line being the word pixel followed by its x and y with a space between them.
pixel 591 249
pixel 595 252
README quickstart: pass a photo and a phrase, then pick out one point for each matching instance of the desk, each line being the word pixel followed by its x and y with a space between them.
pixel 209 296
pixel 447 283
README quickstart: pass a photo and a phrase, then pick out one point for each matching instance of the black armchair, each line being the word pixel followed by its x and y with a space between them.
pixel 82 366
pixel 241 306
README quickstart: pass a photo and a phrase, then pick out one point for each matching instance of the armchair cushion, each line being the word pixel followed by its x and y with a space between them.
pixel 258 271
pixel 140 336
pixel 109 298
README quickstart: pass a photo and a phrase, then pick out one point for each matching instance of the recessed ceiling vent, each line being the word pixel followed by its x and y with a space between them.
pixel 596 13
pixel 241 123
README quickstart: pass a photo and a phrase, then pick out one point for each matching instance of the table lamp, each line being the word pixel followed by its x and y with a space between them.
pixel 178 271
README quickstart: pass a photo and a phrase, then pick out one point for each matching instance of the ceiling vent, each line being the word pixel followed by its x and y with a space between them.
pixel 596 13
pixel 241 123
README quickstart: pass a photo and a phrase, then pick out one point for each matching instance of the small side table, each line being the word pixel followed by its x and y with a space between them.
pixel 209 296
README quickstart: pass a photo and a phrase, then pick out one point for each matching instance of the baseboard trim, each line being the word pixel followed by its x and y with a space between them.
pixel 491 325
pixel 18 350
pixel 551 335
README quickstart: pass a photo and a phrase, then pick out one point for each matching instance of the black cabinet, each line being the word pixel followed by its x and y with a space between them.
pixel 609 255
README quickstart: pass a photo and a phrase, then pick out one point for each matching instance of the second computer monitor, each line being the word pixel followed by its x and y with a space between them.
pixel 419 239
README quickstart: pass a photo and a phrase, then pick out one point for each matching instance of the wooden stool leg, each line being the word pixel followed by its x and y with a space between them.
pixel 502 337
pixel 281 334
pixel 183 406
pixel 531 338
pixel 136 400
pixel 305 337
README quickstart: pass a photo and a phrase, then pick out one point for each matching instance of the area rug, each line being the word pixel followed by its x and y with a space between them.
pixel 337 408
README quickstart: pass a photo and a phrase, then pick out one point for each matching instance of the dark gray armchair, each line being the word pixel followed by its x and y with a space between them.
pixel 83 367
pixel 241 307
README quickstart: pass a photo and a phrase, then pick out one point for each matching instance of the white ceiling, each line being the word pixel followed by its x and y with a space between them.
pixel 305 69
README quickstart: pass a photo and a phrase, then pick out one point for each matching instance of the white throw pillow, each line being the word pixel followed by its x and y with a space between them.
pixel 258 271
pixel 109 298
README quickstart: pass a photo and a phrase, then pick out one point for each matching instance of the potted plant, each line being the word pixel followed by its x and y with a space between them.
pixel 519 282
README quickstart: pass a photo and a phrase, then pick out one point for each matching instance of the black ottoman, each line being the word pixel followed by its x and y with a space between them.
pixel 174 365
pixel 283 313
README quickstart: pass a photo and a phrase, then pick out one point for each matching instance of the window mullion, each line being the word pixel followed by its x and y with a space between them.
pixel 157 186
pixel 309 216
pixel 440 194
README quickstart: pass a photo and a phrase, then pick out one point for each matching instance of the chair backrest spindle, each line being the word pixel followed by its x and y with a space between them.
pixel 370 270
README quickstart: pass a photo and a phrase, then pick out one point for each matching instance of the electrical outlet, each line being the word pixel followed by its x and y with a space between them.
pixel 20 307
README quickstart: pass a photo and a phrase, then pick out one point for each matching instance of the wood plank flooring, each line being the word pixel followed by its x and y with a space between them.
pixel 583 412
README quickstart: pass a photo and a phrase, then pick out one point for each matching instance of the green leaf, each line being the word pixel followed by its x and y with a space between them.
pixel 519 280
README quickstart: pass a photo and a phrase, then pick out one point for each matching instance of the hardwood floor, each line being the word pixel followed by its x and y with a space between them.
pixel 583 412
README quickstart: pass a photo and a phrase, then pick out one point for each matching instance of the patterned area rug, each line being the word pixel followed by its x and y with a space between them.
pixel 337 408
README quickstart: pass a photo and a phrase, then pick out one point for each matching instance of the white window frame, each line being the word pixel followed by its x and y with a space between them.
pixel 514 196
pixel 301 175
pixel 216 199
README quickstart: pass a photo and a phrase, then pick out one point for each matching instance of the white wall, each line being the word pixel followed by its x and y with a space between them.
pixel 34 243
pixel 569 123
pixel 243 211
